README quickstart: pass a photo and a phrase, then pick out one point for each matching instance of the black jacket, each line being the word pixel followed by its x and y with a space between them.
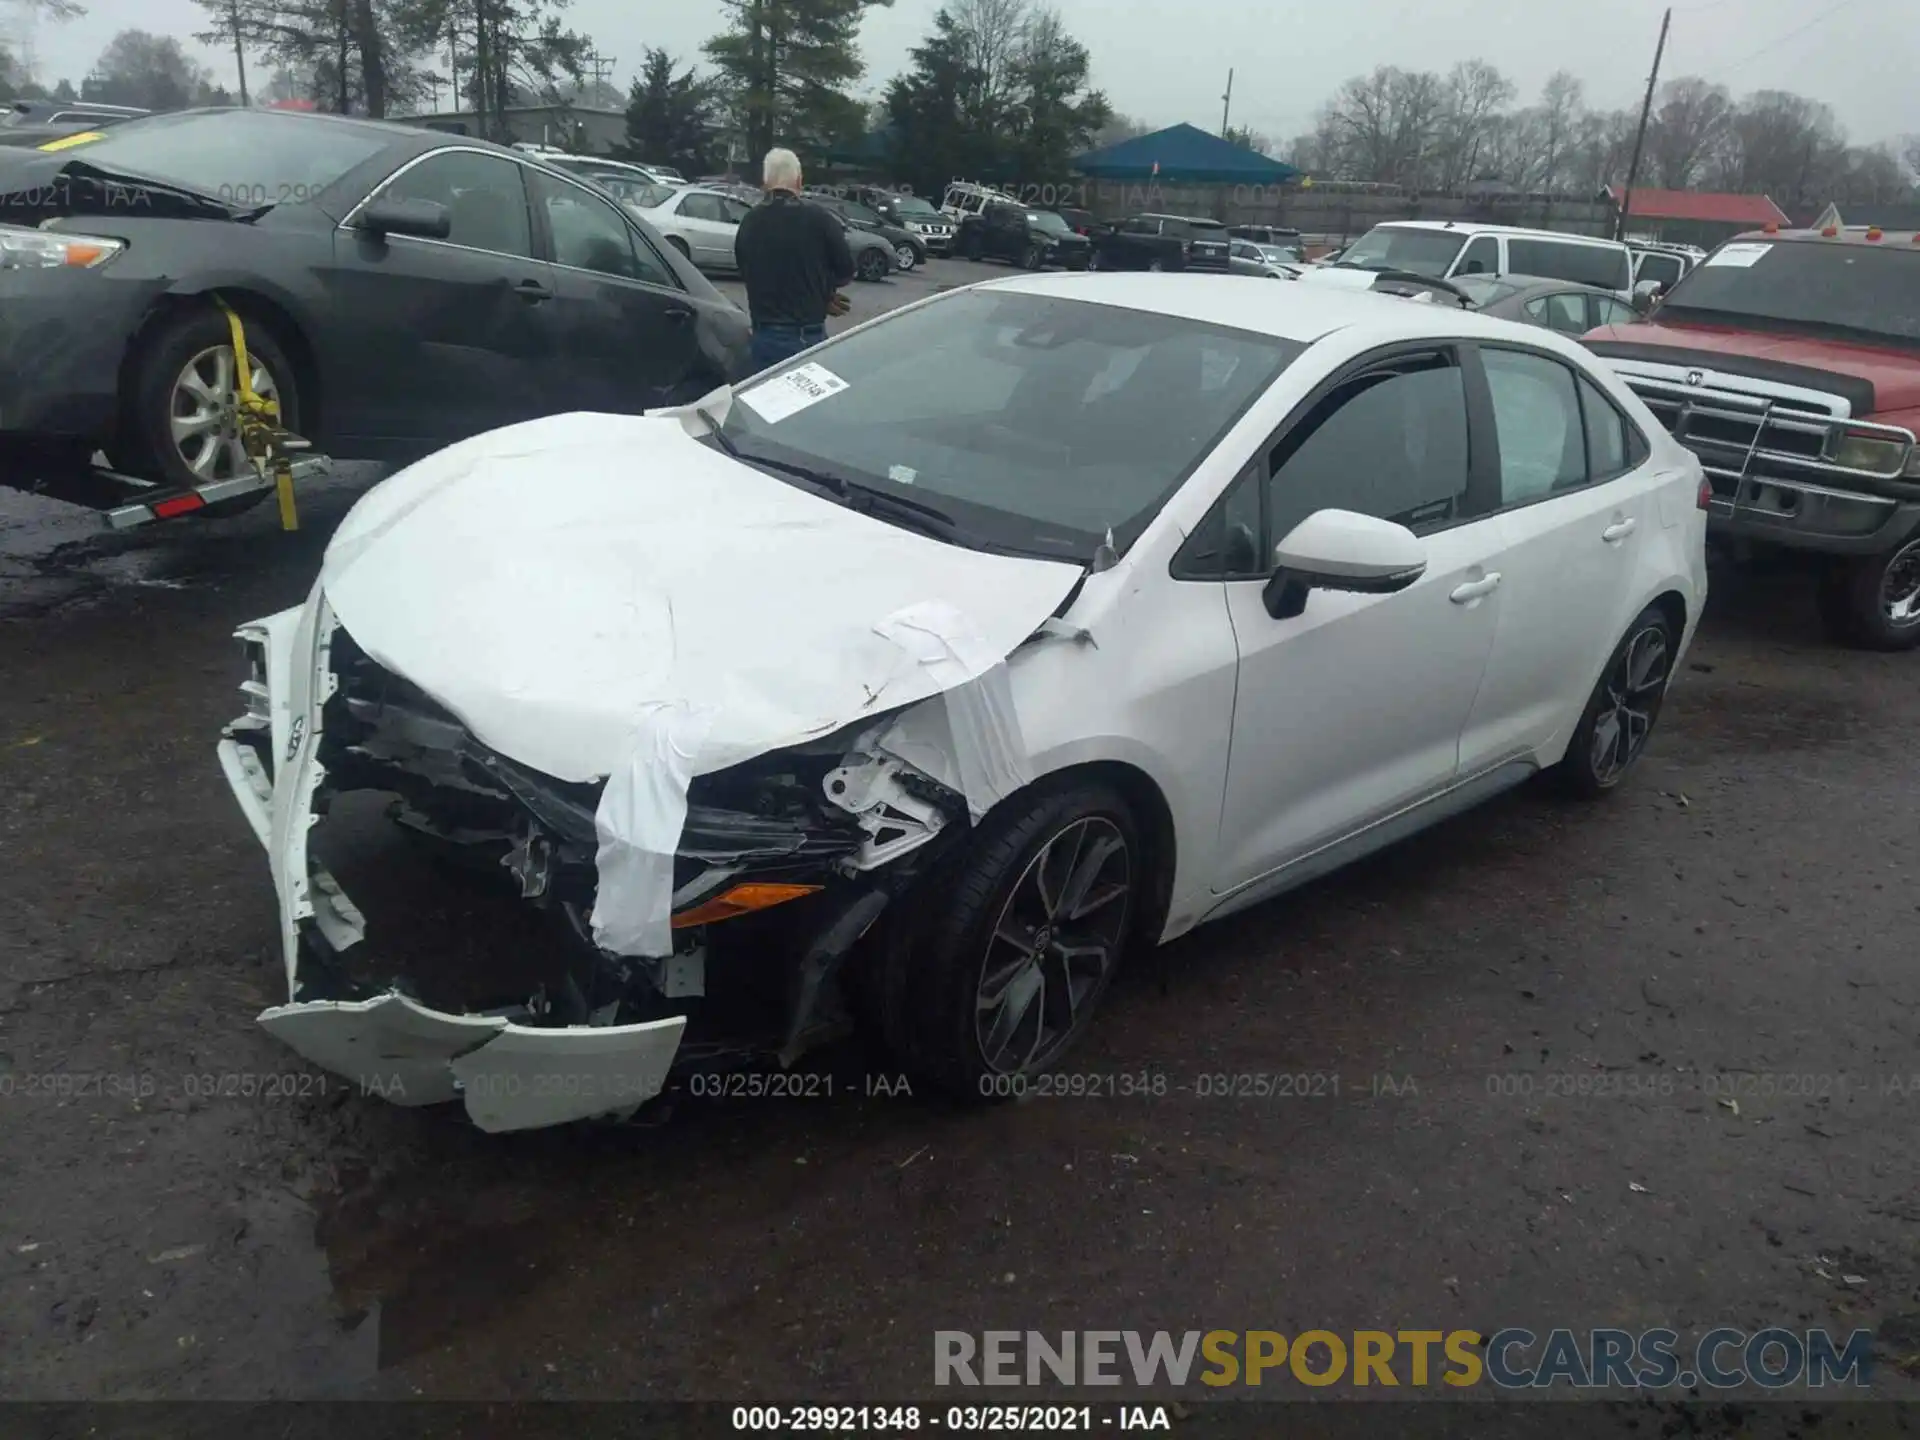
pixel 793 256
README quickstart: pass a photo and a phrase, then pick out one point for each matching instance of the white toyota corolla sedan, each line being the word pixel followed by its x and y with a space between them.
pixel 921 677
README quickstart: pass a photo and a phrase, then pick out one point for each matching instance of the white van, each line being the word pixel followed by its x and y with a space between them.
pixel 1442 249
pixel 963 198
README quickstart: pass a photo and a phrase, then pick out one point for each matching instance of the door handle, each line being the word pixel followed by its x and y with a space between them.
pixel 677 314
pixel 1618 531
pixel 1475 589
pixel 533 290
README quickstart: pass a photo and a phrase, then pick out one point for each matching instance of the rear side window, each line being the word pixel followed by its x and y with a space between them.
pixel 1599 265
pixel 1606 434
pixel 1537 418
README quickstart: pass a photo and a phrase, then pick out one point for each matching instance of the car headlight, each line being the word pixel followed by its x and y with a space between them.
pixel 54 250
pixel 1878 454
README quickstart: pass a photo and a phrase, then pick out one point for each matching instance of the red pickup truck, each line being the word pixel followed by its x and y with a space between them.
pixel 1789 362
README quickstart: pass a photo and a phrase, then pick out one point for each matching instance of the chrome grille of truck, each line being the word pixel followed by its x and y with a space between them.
pixel 1786 443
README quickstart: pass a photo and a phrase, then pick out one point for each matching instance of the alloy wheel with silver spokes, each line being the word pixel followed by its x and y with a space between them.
pixel 1900 587
pixel 1054 945
pixel 203 415
pixel 904 256
pixel 1633 689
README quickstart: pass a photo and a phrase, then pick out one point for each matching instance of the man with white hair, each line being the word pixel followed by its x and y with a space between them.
pixel 794 258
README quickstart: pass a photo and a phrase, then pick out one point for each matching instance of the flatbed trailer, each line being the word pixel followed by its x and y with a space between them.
pixel 125 502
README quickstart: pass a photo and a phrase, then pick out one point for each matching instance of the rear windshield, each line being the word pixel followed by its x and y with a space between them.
pixel 1205 229
pixel 239 157
pixel 1599 265
pixel 1855 291
pixel 1483 290
pixel 1424 252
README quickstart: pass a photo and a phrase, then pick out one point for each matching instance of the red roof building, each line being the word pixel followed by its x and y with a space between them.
pixel 1696 217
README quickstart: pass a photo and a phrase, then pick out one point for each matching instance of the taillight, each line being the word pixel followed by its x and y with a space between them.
pixel 1703 498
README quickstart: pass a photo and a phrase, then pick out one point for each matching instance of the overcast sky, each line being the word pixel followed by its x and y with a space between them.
pixel 1162 62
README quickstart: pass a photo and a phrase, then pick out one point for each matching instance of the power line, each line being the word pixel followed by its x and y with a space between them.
pixel 1773 45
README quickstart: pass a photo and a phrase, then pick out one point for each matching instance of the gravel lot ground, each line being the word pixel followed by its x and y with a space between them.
pixel 1739 922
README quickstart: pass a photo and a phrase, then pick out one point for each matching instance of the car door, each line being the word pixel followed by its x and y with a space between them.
pixel 1575 504
pixel 441 339
pixel 1352 711
pixel 1480 257
pixel 707 230
pixel 1006 232
pixel 629 337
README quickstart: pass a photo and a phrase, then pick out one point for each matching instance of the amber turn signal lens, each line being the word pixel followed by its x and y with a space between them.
pixel 740 900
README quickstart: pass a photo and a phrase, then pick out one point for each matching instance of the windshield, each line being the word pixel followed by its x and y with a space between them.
pixel 913 205
pixel 1851 290
pixel 1483 290
pixel 650 197
pixel 1424 252
pixel 242 158
pixel 1038 424
pixel 1048 221
pixel 1280 253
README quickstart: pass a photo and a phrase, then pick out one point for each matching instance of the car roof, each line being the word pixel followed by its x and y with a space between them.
pixel 1475 227
pixel 1849 235
pixel 1298 312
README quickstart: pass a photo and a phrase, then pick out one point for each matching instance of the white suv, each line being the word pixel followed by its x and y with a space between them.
pixel 1443 249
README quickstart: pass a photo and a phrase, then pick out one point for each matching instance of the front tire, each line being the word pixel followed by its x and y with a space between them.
pixel 180 421
pixel 1620 715
pixel 871 266
pixel 1003 971
pixel 905 257
pixel 1874 603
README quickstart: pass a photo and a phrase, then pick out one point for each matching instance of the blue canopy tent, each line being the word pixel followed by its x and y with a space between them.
pixel 1183 154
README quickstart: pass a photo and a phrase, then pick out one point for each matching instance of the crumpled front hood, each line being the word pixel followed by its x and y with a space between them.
pixel 553 583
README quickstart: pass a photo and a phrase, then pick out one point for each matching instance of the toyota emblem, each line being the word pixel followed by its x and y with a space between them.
pixel 1694 377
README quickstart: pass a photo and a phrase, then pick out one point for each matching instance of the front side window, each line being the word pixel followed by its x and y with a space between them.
pixel 704 207
pixel 484 197
pixel 1424 252
pixel 1664 269
pixel 1391 443
pixel 1603 266
pixel 1481 257
pixel 589 234
pixel 1536 416
pixel 1040 424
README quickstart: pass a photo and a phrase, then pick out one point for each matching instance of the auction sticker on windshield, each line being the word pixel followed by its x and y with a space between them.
pixel 791 392
pixel 1742 255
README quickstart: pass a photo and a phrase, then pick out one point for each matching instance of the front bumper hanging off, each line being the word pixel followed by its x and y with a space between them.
pixel 513 1068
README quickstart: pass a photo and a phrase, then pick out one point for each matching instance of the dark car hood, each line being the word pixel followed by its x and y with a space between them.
pixel 1883 379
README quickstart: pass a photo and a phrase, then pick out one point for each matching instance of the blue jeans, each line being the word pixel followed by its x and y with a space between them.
pixel 774 343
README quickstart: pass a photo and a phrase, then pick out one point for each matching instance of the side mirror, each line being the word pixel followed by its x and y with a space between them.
pixel 1646 294
pixel 421 218
pixel 1342 550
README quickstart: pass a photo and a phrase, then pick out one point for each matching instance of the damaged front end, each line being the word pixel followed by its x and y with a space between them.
pixel 783 863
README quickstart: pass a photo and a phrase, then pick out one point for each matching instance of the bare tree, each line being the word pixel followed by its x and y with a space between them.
pixel 993 35
pixel 1783 145
pixel 1687 129
pixel 1379 127
pixel 1473 94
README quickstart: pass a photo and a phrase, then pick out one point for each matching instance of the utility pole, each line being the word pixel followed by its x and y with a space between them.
pixel 1640 135
pixel 1226 105
pixel 602 67
pixel 239 50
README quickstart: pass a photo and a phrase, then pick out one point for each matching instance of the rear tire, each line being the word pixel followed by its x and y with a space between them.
pixel 997 971
pixel 1620 715
pixel 1874 603
pixel 871 266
